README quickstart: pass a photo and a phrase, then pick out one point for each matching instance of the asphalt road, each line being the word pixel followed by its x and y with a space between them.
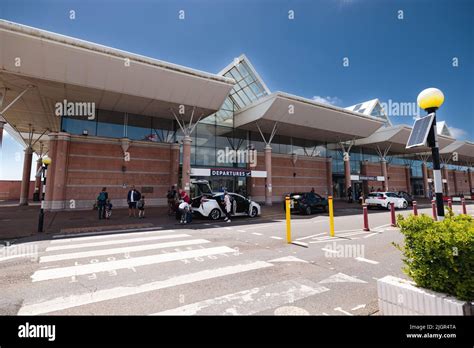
pixel 244 267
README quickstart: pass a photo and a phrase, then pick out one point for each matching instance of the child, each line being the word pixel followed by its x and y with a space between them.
pixel 141 207
pixel 108 210
pixel 184 209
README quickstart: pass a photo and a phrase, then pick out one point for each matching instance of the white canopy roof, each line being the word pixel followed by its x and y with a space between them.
pixel 61 67
pixel 310 120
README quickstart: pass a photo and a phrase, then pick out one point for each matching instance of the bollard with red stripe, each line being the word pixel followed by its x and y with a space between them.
pixel 366 217
pixel 415 209
pixel 433 208
pixel 450 204
pixel 463 202
pixel 392 214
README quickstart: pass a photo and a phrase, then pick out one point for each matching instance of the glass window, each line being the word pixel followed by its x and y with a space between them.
pixel 110 124
pixel 243 69
pixel 224 137
pixel 139 127
pixel 235 74
pixel 75 125
pixel 163 130
pixel 256 141
pixel 205 135
pixel 205 156
pixel 244 97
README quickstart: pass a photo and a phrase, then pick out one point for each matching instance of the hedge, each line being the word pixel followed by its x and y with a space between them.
pixel 440 255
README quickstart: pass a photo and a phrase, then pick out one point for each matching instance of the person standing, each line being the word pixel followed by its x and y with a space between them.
pixel 133 197
pixel 184 196
pixel 172 197
pixel 102 199
pixel 227 206
pixel 349 194
pixel 141 207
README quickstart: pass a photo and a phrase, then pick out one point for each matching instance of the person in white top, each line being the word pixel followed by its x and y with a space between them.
pixel 227 206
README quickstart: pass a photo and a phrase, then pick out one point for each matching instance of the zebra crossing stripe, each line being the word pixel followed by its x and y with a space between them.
pixel 71 301
pixel 95 253
pixel 111 242
pixel 251 301
pixel 104 235
pixel 63 272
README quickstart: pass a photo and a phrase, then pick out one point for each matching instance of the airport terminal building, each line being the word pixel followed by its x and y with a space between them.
pixel 110 118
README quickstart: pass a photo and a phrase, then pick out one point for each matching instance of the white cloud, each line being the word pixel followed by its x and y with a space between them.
pixel 327 100
pixel 458 133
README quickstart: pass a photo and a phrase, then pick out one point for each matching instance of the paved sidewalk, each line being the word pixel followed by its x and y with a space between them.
pixel 18 222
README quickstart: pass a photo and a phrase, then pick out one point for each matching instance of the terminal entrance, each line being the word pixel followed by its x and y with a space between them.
pixel 231 184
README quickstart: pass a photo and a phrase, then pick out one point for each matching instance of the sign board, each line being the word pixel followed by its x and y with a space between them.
pixel 230 172
pixel 367 178
pixel 420 131
pixel 235 172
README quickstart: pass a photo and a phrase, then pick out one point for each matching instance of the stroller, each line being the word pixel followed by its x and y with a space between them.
pixel 108 210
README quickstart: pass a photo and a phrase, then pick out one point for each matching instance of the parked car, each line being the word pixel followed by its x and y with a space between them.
pixel 383 200
pixel 210 205
pixel 307 203
pixel 408 197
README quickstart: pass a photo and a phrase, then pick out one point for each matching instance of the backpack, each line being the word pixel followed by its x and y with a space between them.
pixel 102 197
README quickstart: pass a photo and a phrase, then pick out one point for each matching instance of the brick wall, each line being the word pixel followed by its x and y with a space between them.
pixel 306 173
pixel 372 169
pixel 10 189
pixel 397 178
pixel 462 183
pixel 92 163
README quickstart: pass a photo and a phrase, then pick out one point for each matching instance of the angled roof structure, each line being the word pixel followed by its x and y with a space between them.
pixel 443 129
pixel 308 119
pixel 462 150
pixel 395 139
pixel 371 108
pixel 81 71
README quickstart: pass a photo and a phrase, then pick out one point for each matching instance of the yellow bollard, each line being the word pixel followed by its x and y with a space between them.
pixel 331 217
pixel 288 219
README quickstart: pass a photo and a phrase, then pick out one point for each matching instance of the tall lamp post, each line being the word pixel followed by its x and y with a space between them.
pixel 46 161
pixel 430 100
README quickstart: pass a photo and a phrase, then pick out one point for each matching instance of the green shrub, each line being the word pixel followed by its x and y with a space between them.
pixel 440 255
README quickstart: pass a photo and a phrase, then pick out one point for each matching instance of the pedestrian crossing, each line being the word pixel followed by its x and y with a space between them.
pixel 86 275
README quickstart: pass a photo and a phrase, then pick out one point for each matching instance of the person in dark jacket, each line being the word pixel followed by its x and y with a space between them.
pixel 133 197
pixel 102 199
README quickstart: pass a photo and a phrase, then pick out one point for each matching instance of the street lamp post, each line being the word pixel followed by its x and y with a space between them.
pixel 46 161
pixel 430 100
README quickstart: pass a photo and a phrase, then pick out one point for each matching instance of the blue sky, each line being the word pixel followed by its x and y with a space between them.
pixel 389 58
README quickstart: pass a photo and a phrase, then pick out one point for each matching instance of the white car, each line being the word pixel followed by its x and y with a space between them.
pixel 208 205
pixel 383 200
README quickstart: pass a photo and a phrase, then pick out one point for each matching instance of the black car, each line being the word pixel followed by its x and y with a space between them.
pixel 408 197
pixel 307 203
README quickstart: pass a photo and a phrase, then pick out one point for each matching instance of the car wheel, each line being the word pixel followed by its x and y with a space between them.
pixel 405 205
pixel 253 212
pixel 215 214
pixel 307 211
